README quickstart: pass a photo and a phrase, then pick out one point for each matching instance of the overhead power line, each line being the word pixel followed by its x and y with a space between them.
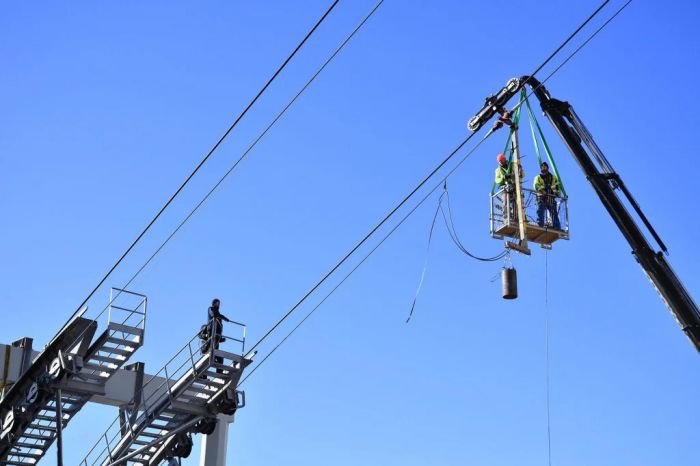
pixel 568 39
pixel 406 216
pixel 245 153
pixel 207 156
pixel 253 145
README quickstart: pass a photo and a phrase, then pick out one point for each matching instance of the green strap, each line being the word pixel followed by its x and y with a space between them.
pixel 516 121
pixel 523 96
pixel 535 124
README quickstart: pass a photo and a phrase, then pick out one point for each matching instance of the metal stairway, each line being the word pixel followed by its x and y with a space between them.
pixel 184 397
pixel 74 376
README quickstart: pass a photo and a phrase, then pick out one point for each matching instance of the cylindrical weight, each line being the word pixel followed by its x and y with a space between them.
pixel 509 283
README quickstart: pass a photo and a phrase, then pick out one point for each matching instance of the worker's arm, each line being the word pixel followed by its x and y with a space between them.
pixel 215 314
pixel 556 187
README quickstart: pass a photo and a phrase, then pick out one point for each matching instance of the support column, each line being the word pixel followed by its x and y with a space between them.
pixel 214 446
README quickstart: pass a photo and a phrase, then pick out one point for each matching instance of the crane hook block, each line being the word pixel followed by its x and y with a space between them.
pixel 509 283
pixel 494 104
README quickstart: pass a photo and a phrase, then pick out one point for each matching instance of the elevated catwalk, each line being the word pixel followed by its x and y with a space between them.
pixel 58 382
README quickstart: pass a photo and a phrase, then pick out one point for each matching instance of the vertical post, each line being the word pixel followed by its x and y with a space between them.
pixel 519 203
pixel 109 307
pixel 123 421
pixel 109 450
pixel 59 429
pixel 214 446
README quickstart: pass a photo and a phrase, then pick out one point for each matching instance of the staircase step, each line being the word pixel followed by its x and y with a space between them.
pixel 50 428
pixel 192 399
pixel 221 365
pixel 121 342
pixel 28 455
pixel 69 411
pixel 117 360
pixel 212 376
pixel 208 382
pixel 125 328
pixel 36 437
pixel 40 417
pixel 207 390
pixel 27 445
pixel 120 352
pixel 151 435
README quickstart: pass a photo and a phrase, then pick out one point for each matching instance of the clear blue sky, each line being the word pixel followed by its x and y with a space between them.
pixel 106 107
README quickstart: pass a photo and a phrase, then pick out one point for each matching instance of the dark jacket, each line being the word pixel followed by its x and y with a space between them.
pixel 214 314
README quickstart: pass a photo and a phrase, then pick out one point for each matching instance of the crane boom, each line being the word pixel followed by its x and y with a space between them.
pixel 606 182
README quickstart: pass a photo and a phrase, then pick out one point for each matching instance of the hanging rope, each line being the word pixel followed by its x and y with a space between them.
pixel 546 346
pixel 453 232
pixel 449 224
pixel 427 255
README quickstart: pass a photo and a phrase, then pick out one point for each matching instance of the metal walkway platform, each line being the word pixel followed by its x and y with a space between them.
pixel 70 371
pixel 504 219
pixel 183 398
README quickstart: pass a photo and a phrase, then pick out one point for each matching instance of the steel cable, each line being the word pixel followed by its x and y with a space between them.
pixel 206 157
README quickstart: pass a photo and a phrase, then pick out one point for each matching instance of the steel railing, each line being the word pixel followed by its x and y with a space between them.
pixel 503 213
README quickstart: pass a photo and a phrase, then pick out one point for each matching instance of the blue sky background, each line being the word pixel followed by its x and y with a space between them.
pixel 106 107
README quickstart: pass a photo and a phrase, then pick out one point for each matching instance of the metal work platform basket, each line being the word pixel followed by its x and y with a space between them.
pixel 554 212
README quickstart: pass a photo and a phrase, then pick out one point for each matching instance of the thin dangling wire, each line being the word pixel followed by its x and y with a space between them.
pixel 449 224
pixel 546 345
pixel 427 253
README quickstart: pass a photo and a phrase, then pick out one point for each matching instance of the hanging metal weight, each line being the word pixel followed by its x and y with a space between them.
pixel 509 283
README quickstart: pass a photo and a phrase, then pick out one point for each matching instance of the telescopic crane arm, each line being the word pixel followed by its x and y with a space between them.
pixel 606 182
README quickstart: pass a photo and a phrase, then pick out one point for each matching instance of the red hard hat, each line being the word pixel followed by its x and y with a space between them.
pixel 501 158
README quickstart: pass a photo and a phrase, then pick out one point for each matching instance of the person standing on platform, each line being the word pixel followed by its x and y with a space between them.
pixel 216 329
pixel 547 188
pixel 505 178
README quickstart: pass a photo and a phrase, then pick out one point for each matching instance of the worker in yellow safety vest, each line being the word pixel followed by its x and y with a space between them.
pixel 505 173
pixel 505 178
pixel 547 189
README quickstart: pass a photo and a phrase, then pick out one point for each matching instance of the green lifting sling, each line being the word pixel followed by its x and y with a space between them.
pixel 534 124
